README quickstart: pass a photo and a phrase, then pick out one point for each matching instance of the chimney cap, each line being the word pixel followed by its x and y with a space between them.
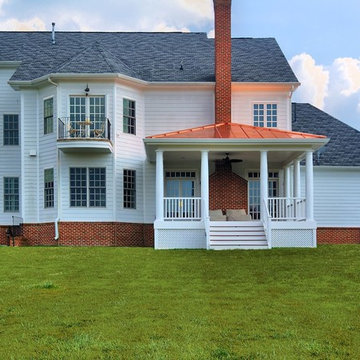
pixel 222 2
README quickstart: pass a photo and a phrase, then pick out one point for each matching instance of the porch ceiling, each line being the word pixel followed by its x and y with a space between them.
pixel 253 157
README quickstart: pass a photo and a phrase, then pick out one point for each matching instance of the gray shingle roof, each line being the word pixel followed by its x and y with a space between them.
pixel 343 149
pixel 147 56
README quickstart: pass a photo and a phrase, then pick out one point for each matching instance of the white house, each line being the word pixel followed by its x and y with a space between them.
pixel 170 140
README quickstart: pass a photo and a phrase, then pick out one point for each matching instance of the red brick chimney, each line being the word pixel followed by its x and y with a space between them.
pixel 222 9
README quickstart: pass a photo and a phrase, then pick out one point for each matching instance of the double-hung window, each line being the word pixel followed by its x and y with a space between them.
pixel 11 129
pixel 48 116
pixel 129 116
pixel 49 188
pixel 11 194
pixel 88 187
pixel 129 188
pixel 265 115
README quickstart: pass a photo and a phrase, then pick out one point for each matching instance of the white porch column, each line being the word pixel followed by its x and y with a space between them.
pixel 159 185
pixel 287 181
pixel 264 182
pixel 297 191
pixel 309 186
pixel 205 184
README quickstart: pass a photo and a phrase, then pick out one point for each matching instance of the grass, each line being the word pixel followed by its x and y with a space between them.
pixel 123 303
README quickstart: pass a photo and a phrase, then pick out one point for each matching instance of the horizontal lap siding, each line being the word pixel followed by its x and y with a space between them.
pixel 47 155
pixel 30 163
pixel 242 106
pixel 10 156
pixel 172 110
pixel 130 154
pixel 336 196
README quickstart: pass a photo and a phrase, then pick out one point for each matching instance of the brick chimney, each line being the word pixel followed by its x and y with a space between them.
pixel 222 9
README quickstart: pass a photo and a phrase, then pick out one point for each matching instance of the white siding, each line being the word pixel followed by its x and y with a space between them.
pixel 242 106
pixel 172 110
pixel 29 134
pixel 47 155
pixel 10 156
pixel 336 196
pixel 130 154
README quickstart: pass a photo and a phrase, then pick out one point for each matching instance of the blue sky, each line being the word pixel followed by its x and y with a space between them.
pixel 320 38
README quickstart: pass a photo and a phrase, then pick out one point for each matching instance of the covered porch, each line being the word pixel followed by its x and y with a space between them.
pixel 279 208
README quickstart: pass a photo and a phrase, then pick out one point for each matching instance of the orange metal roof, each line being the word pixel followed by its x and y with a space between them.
pixel 235 131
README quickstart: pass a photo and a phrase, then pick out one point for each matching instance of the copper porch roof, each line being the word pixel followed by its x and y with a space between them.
pixel 235 131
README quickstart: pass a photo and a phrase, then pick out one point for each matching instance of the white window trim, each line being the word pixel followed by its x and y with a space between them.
pixel 88 188
pixel 136 191
pixel 87 104
pixel 267 102
pixel 54 117
pixel 122 116
pixel 196 179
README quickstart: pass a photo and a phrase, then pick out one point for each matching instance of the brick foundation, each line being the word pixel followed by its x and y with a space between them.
pixel 227 190
pixel 86 234
pixel 3 238
pixel 333 235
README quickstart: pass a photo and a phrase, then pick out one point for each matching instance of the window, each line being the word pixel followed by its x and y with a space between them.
pixel 129 189
pixel 87 110
pixel 254 191
pixel 11 129
pixel 78 187
pixel 180 183
pixel 97 187
pixel 265 115
pixel 129 117
pixel 84 193
pixel 49 188
pixel 48 116
pixel 11 194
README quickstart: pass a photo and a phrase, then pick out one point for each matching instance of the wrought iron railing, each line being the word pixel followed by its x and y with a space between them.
pixel 84 128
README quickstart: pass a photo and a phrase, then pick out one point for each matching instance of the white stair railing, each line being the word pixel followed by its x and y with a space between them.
pixel 266 220
pixel 287 208
pixel 184 208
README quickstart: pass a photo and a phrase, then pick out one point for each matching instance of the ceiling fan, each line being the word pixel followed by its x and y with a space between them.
pixel 226 161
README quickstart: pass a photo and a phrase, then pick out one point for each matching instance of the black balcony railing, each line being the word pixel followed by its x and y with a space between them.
pixel 86 128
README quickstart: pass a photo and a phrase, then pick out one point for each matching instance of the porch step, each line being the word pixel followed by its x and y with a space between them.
pixel 237 235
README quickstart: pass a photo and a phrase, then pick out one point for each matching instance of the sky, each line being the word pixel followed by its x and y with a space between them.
pixel 320 38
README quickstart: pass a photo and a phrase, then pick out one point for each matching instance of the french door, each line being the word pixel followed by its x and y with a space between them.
pixel 87 113
pixel 254 199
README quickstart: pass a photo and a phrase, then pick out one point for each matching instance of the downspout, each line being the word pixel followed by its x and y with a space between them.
pixel 52 82
pixel 57 228
pixel 56 223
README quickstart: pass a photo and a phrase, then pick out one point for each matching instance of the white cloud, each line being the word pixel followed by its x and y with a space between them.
pixel 204 8
pixel 162 27
pixel 34 24
pixel 211 34
pixel 314 79
pixel 349 72
pixel 334 88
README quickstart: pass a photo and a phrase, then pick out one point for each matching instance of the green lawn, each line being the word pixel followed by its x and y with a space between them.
pixel 123 303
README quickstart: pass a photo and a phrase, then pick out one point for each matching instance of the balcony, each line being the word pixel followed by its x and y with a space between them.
pixel 87 134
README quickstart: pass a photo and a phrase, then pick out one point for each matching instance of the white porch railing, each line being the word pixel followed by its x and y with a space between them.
pixel 267 224
pixel 287 208
pixel 184 208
